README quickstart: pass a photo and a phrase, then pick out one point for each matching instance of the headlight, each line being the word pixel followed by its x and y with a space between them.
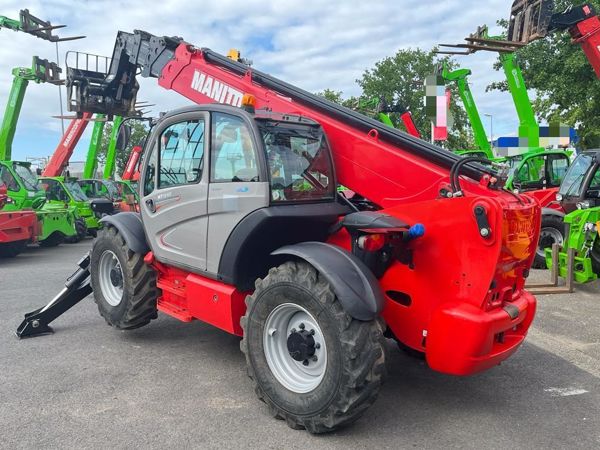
pixel 559 197
pixel 583 205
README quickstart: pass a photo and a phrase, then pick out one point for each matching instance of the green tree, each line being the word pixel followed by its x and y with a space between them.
pixel 563 81
pixel 139 131
pixel 400 78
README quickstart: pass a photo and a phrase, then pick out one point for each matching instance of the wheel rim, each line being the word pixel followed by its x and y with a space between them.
pixel 294 347
pixel 548 236
pixel 110 275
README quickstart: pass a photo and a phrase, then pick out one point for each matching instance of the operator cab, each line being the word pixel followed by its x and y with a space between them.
pixel 581 185
pixel 222 188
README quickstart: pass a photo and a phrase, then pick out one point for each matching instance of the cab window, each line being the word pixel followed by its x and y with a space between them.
pixel 595 183
pixel 300 168
pixel 557 168
pixel 531 172
pixel 54 191
pixel 181 154
pixel 233 156
pixel 8 179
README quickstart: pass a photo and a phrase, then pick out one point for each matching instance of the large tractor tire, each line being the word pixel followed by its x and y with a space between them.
pixel 316 367
pixel 54 240
pixel 124 286
pixel 552 231
pixel 12 249
pixel 81 229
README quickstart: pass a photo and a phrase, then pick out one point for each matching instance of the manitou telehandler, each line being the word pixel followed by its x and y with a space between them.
pixel 241 227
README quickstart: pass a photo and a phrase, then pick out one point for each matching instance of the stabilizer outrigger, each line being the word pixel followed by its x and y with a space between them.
pixel 77 287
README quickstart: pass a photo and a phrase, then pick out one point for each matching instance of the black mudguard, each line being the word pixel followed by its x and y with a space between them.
pixel 129 225
pixel 353 283
pixel 552 212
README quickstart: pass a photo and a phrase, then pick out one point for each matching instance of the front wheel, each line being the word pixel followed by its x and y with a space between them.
pixel 12 249
pixel 552 232
pixel 314 365
pixel 124 286
pixel 81 232
pixel 54 240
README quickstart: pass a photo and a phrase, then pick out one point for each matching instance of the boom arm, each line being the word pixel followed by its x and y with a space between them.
pixel 460 77
pixel 111 152
pixel 363 149
pixel 91 161
pixel 60 158
pixel 41 71
pixel 528 126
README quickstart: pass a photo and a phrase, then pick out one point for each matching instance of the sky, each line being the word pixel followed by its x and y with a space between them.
pixel 312 44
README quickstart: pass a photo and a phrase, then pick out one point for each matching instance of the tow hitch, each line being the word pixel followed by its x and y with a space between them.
pixel 77 287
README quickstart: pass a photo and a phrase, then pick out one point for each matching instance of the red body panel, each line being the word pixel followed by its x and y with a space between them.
pixel 546 198
pixel 18 226
pixel 460 282
pixel 60 158
pixel 586 33
pixel 188 296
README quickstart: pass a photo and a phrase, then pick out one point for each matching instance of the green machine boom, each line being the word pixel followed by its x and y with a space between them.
pixel 459 76
pixel 529 129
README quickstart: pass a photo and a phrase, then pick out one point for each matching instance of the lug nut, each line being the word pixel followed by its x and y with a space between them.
pixel 315 358
pixel 293 330
pixel 317 345
pixel 305 362
pixel 301 326
pixel 312 332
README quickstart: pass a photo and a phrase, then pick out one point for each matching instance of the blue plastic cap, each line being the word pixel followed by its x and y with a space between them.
pixel 416 231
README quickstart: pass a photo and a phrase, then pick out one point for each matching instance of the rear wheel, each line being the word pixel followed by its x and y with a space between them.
pixel 53 240
pixel 552 231
pixel 12 249
pixel 124 286
pixel 81 229
pixel 314 365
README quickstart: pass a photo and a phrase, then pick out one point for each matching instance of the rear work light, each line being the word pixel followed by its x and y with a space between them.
pixel 371 242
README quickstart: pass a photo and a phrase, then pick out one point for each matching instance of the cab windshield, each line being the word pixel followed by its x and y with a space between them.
pixel 76 191
pixel 113 190
pixel 573 182
pixel 299 164
pixel 30 181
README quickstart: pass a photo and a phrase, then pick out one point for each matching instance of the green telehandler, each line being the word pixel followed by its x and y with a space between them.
pixel 58 220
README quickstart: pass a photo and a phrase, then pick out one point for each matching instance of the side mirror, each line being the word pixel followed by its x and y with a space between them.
pixel 123 137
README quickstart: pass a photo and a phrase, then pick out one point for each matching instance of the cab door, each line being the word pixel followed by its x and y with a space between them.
pixel 174 191
pixel 238 181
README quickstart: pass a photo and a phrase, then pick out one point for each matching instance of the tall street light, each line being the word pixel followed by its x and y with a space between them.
pixel 491 128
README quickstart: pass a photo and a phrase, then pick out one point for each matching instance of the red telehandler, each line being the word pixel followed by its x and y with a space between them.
pixel 240 226
pixel 17 228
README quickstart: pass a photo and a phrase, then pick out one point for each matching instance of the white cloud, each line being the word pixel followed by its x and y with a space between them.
pixel 313 44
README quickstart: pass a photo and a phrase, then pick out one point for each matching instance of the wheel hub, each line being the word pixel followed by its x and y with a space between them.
pixel 301 344
pixel 116 277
